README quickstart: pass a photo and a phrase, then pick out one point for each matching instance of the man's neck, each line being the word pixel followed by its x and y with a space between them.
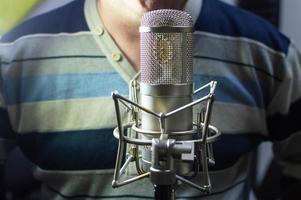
pixel 125 15
pixel 121 19
pixel 118 17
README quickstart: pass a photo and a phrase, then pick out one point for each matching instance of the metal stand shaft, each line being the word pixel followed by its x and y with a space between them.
pixel 164 192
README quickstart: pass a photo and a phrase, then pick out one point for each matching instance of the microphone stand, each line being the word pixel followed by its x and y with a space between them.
pixel 164 192
pixel 162 172
pixel 166 151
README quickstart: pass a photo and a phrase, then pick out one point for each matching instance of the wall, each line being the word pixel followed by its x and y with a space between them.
pixel 290 16
pixel 291 20
pixel 47 5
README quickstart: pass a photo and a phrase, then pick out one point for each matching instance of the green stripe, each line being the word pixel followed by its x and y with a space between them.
pixel 240 64
pixel 63 115
pixel 239 51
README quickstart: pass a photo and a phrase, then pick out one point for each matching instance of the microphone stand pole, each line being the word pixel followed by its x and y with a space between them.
pixel 162 172
pixel 164 192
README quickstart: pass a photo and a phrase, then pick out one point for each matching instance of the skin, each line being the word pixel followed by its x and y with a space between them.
pixel 122 20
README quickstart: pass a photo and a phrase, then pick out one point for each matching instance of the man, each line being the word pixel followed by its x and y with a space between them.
pixel 58 71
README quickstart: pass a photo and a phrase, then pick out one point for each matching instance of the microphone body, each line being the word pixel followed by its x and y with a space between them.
pixel 162 140
pixel 166 77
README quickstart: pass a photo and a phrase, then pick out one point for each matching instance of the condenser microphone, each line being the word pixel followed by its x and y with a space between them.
pixel 166 77
pixel 160 134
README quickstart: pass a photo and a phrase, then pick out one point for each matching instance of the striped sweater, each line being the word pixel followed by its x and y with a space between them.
pixel 58 70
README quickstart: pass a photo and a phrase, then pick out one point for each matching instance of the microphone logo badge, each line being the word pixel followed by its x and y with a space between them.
pixel 163 49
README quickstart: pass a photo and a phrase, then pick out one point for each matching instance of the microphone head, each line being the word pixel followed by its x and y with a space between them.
pixel 166 47
pixel 166 17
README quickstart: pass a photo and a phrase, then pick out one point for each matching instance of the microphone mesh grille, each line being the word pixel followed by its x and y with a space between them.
pixel 166 58
pixel 166 17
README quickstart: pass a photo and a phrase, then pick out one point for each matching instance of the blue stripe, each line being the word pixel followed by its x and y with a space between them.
pixel 133 196
pixel 111 196
pixel 62 86
pixel 232 90
pixel 230 147
pixel 74 150
pixel 6 131
pixel 69 86
pixel 68 19
pixel 258 69
pixel 96 149
pixel 220 18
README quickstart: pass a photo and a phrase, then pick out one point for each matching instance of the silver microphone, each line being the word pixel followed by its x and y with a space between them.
pixel 161 138
pixel 166 75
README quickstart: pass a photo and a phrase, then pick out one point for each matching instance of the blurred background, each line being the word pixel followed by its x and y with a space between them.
pixel 285 15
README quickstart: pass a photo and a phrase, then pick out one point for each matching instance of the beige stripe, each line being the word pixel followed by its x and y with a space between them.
pixel 2 104
pixel 290 89
pixel 231 71
pixel 240 40
pixel 44 35
pixel 63 115
pixel 288 152
pixel 50 45
pixel 292 170
pixel 240 50
pixel 58 66
pixel 53 45
pixel 237 118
